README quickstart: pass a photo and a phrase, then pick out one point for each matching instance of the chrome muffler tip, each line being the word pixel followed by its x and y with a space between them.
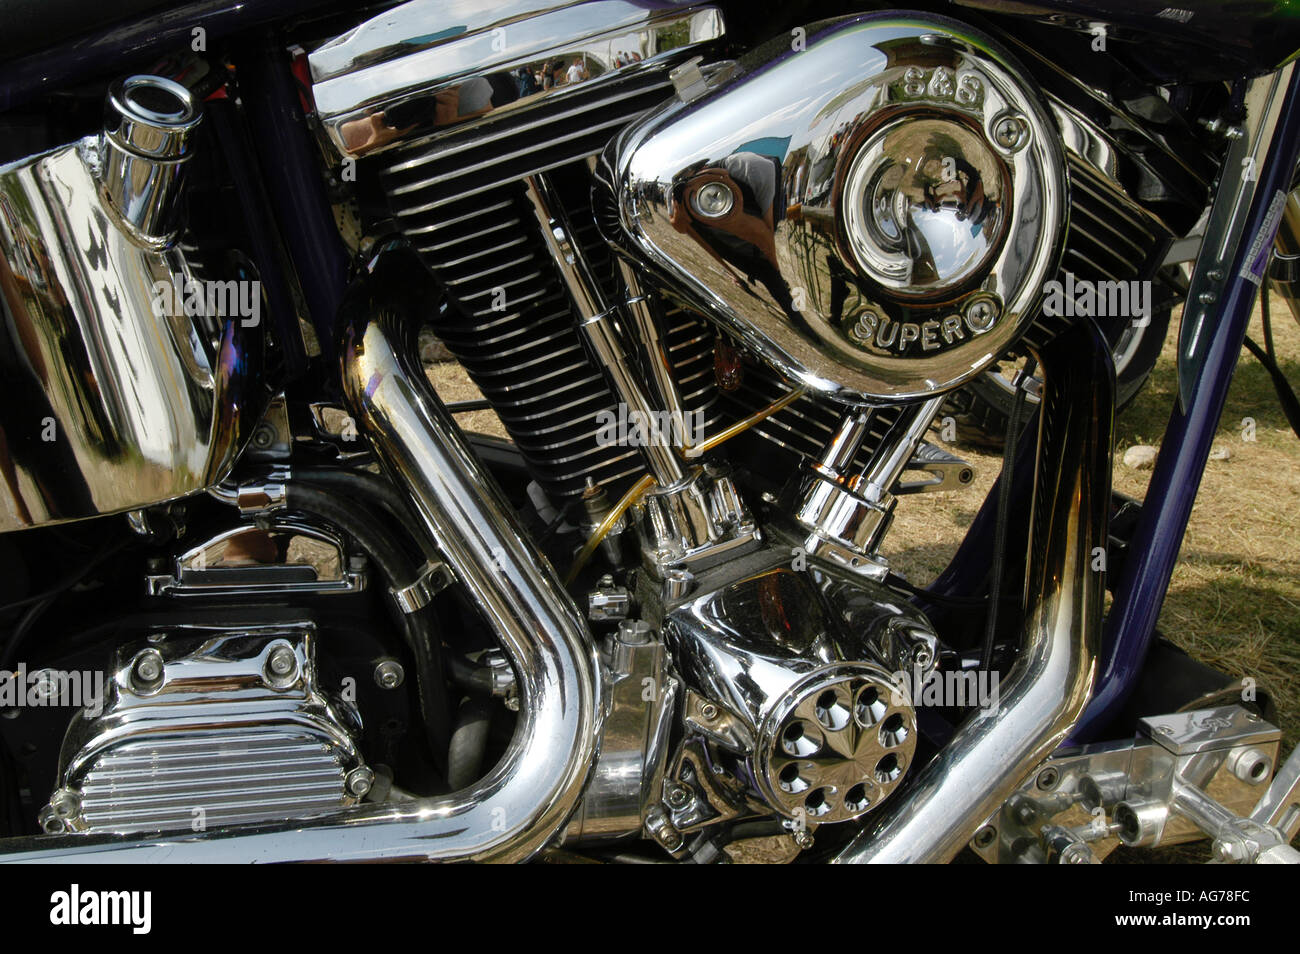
pixel 149 124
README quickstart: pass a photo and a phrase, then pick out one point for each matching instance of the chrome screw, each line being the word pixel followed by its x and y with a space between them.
pixel 281 667
pixel 982 313
pixel 389 674
pixel 65 804
pixel 359 781
pixel 709 711
pixel 679 797
pixel 1011 132
pixel 147 671
pixel 714 200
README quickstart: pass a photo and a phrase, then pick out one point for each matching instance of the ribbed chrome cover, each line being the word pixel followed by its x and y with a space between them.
pixel 226 777
pixel 203 728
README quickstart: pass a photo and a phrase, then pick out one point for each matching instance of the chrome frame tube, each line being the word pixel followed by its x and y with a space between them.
pixel 525 800
pixel 1049 686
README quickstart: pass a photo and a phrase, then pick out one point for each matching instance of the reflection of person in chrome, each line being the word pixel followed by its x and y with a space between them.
pixel 577 71
pixel 736 226
pixel 447 106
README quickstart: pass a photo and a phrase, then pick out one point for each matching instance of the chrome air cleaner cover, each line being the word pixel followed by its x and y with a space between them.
pixel 872 204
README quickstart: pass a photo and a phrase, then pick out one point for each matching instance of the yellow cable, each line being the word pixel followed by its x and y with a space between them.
pixel 603 528
pixel 740 426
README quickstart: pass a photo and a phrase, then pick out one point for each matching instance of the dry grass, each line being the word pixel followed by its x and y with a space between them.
pixel 1234 601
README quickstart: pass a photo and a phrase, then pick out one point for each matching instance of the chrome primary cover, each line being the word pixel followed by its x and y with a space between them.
pixel 872 204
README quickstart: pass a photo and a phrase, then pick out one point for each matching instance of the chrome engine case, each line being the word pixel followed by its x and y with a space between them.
pixel 205 728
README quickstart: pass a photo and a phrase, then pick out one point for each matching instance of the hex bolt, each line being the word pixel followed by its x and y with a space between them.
pixel 1047 779
pixel 281 667
pixel 679 797
pixel 147 671
pixel 389 674
pixel 359 781
pixel 802 837
pixel 984 837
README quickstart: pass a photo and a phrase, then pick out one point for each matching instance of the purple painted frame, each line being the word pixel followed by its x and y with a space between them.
pixel 1176 479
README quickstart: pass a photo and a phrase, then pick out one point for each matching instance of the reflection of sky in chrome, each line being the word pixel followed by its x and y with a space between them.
pixel 954 244
pixel 774 103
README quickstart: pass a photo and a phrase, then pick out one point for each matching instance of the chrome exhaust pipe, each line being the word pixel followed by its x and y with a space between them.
pixel 1050 685
pixel 526 799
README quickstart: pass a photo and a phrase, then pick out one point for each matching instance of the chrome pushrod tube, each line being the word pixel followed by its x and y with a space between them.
pixel 1049 685
pixel 513 811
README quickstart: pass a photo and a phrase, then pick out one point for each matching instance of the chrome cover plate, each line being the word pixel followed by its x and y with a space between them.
pixel 105 405
pixel 277 554
pixel 429 65
pixel 207 728
pixel 873 208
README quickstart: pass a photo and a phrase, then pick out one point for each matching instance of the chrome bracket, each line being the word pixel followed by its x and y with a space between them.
pixel 1185 776
pixel 434 577
pixel 946 472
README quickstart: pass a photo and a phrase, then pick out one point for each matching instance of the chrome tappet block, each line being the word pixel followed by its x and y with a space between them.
pixel 204 728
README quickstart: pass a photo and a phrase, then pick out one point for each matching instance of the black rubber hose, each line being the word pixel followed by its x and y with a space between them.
pixel 367 486
pixel 469 742
pixel 417 629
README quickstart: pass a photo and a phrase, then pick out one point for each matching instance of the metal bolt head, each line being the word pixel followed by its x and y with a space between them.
pixel 282 661
pixel 802 837
pixel 65 804
pixel 147 671
pixel 984 837
pixel 281 667
pixel 359 781
pixel 263 436
pixel 679 797
pixel 709 711
pixel 1047 779
pixel 1011 132
pixel 389 674
pixel 634 632
pixel 982 313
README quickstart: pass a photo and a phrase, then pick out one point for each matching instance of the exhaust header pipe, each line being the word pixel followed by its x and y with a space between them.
pixel 525 800
pixel 1052 681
